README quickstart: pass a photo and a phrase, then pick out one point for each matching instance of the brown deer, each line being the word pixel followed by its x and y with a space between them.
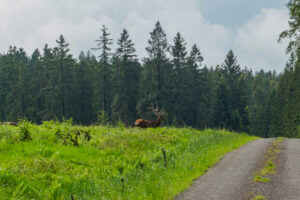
pixel 142 123
pixel 10 123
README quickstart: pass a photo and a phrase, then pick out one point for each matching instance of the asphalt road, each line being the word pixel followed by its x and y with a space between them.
pixel 232 177
pixel 285 185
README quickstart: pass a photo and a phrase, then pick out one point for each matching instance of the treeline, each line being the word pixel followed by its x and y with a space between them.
pixel 108 86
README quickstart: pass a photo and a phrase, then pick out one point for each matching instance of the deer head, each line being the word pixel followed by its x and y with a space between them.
pixel 156 111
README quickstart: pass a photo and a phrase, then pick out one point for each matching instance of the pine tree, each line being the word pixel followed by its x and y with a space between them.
pixel 280 110
pixel 236 101
pixel 126 79
pixel 47 92
pixel 180 80
pixel 65 74
pixel 103 76
pixel 155 87
pixel 198 91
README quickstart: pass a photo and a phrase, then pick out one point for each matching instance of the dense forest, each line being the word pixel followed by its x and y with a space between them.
pixel 108 86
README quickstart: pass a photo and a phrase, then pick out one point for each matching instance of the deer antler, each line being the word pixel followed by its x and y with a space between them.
pixel 151 123
pixel 156 111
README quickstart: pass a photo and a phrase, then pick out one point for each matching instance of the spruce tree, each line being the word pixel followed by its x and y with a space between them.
pixel 102 88
pixel 180 80
pixel 126 79
pixel 47 92
pixel 236 101
pixel 155 87
pixel 64 72
pixel 198 89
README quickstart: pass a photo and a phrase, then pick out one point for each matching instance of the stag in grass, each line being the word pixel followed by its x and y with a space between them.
pixel 9 123
pixel 142 123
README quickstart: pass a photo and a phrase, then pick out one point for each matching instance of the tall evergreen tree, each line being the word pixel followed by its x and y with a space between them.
pixel 199 91
pixel 65 74
pixel 235 103
pixel 17 101
pixel 126 78
pixel 47 94
pixel 180 80
pixel 155 88
pixel 103 76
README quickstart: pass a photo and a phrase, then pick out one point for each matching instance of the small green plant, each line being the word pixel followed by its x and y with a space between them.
pixel 24 130
pixel 121 125
pixel 259 178
pixel 259 197
pixel 164 156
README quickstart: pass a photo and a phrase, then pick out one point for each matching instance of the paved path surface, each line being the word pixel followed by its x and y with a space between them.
pixel 286 184
pixel 230 178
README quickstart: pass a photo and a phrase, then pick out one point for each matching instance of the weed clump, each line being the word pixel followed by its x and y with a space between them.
pixel 269 166
pixel 24 130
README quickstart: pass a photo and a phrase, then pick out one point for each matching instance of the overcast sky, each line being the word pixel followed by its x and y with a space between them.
pixel 249 27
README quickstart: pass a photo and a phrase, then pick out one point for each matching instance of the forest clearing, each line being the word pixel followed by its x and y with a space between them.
pixel 149 100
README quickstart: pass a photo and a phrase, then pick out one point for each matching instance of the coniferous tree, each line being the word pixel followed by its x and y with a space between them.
pixel 197 90
pixel 17 100
pixel 49 93
pixel 64 72
pixel 103 77
pixel 155 87
pixel 235 103
pixel 126 79
pixel 180 80
pixel 34 87
pixel 53 85
pixel 84 89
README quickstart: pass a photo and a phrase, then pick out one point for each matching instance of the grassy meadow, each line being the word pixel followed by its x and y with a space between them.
pixel 63 161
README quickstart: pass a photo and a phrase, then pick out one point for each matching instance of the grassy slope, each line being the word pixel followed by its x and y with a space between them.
pixel 117 163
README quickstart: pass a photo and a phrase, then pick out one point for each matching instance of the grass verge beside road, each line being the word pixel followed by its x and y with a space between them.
pixel 62 161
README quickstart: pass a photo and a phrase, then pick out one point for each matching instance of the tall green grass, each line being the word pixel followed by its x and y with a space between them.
pixel 61 161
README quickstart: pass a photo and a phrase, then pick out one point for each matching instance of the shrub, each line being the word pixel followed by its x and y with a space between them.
pixel 24 130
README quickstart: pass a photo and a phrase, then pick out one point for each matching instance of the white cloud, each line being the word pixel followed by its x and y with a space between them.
pixel 256 42
pixel 32 23
pixel 212 39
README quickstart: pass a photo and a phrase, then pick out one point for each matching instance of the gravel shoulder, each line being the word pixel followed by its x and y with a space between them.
pixel 230 179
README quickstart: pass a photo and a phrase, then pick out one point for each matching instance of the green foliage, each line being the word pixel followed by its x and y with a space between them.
pixel 102 89
pixel 53 85
pixel 24 130
pixel 230 110
pixel 294 24
pixel 102 118
pixel 126 76
pixel 114 163
pixel 259 197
